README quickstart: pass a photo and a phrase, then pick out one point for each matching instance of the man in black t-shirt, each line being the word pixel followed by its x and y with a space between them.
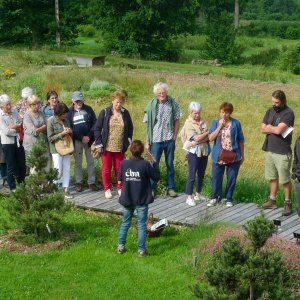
pixel 277 125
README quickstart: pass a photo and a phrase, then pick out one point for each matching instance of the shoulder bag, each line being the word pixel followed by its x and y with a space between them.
pixel 64 146
pixel 226 156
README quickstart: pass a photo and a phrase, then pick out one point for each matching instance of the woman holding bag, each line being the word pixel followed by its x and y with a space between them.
pixel 227 153
pixel 58 129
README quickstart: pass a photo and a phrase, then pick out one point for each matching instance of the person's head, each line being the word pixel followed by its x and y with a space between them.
pixel 52 98
pixel 5 103
pixel 195 110
pixel 77 99
pixel 33 103
pixel 118 99
pixel 226 110
pixel 161 90
pixel 60 111
pixel 137 148
pixel 278 99
pixel 26 92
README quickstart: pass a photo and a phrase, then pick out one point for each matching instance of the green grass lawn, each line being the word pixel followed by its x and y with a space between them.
pixel 89 267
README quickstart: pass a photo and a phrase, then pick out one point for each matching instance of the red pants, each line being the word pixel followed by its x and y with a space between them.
pixel 108 159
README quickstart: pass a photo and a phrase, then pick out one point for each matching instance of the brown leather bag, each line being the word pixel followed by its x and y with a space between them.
pixel 226 156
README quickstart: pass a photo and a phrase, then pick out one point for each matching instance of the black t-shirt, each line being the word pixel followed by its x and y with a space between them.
pixel 275 142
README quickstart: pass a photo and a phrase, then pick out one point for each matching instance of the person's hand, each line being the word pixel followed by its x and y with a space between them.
pixel 150 156
pixel 85 140
pixel 147 147
pixel 66 131
pixel 243 158
pixel 222 123
pixel 100 150
pixel 15 126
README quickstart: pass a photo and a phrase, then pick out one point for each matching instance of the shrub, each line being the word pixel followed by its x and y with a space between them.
pixel 86 30
pixel 265 57
pixel 37 207
pixel 243 267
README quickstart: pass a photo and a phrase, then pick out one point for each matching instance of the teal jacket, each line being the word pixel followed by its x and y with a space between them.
pixel 151 110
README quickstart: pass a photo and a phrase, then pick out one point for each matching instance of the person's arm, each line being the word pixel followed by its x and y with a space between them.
pixel 242 149
pixel 130 127
pixel 153 171
pixel 98 131
pixel 270 129
pixel 176 129
pixel 214 134
pixel 52 137
pixel 8 129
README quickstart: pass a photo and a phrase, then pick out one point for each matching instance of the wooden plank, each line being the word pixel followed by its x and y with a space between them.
pixel 156 207
pixel 289 226
pixel 236 208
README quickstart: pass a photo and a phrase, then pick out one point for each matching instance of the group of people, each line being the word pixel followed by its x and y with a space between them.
pixel 136 178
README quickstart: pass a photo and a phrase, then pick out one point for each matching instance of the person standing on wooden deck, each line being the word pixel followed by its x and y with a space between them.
pixel 162 115
pixel 277 125
pixel 296 173
pixel 194 135
pixel 82 119
pixel 134 175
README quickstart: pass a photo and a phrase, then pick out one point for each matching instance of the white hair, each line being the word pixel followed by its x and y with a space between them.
pixel 194 106
pixel 160 86
pixel 26 92
pixel 4 99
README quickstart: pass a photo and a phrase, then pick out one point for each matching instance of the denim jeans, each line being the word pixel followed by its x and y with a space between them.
pixel 197 165
pixel 232 171
pixel 142 216
pixel 15 161
pixel 168 147
pixel 3 170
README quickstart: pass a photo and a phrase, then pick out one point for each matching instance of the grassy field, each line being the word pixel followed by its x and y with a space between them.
pixel 88 267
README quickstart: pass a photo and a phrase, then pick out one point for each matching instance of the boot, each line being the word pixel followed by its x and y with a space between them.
pixel 287 210
pixel 270 203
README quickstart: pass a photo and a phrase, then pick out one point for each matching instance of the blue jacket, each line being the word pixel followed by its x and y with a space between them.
pixel 237 137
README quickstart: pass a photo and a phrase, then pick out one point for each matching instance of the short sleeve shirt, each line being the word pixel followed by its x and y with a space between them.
pixel 161 129
pixel 275 142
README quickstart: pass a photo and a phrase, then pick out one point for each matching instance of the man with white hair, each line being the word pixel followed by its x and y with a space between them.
pixel 162 115
pixel 82 118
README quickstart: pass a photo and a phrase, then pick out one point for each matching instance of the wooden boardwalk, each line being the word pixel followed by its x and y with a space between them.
pixel 176 211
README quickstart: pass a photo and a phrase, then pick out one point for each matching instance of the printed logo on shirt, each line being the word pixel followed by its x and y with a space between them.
pixel 132 175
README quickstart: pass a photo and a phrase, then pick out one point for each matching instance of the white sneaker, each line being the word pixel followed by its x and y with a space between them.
pixel 108 194
pixel 190 202
pixel 119 192
pixel 212 202
pixel 200 198
pixel 229 204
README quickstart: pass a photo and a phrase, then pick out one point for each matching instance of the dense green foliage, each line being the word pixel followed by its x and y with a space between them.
pixel 143 28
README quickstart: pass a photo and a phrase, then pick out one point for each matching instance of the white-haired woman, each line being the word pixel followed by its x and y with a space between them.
pixel 10 124
pixel 34 124
pixel 194 134
pixel 21 106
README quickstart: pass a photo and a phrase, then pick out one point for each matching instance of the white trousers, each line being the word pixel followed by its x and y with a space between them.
pixel 62 164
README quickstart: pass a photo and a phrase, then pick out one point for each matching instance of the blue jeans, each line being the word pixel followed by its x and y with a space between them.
pixel 168 147
pixel 197 165
pixel 142 216
pixel 15 161
pixel 3 170
pixel 232 171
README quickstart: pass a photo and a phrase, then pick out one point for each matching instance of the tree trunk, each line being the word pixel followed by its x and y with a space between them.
pixel 236 14
pixel 57 23
pixel 251 296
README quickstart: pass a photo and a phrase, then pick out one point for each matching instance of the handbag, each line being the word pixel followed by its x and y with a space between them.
pixel 226 156
pixel 94 151
pixel 65 145
pixel 150 222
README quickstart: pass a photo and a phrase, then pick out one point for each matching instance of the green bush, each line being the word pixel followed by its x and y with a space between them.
pixel 86 30
pixel 37 207
pixel 265 57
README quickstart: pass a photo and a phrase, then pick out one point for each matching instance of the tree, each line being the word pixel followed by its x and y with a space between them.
pixel 141 27
pixel 36 206
pixel 220 42
pixel 236 14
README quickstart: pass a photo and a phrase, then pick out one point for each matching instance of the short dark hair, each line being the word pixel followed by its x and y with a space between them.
pixel 137 148
pixel 50 94
pixel 60 109
pixel 280 95
pixel 227 107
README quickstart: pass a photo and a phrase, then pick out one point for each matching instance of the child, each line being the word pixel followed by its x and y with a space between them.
pixel 135 174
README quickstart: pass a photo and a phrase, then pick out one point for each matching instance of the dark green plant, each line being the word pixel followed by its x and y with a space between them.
pixel 237 271
pixel 36 205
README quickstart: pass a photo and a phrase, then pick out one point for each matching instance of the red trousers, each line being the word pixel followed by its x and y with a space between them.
pixel 110 159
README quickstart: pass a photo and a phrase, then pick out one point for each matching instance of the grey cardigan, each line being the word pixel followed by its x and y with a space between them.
pixel 8 135
pixel 54 130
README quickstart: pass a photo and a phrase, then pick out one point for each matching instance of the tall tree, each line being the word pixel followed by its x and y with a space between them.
pixel 57 23
pixel 236 14
pixel 143 27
